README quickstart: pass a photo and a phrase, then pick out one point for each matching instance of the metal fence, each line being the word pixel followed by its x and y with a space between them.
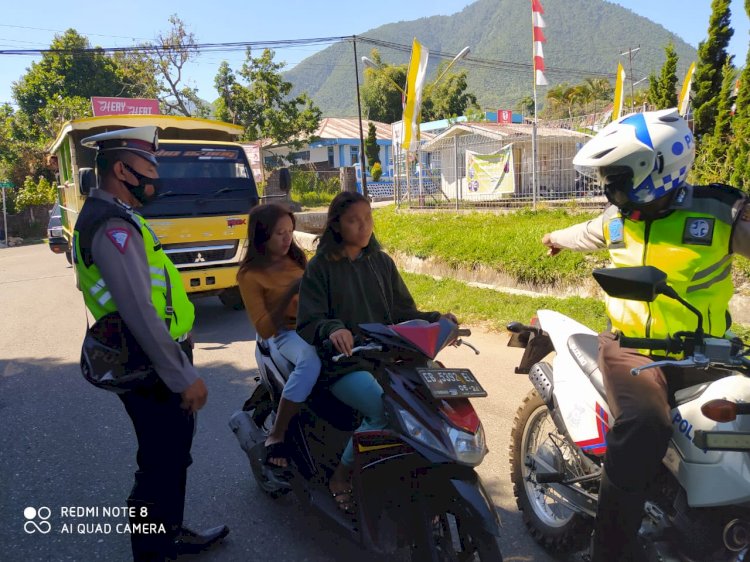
pixel 490 165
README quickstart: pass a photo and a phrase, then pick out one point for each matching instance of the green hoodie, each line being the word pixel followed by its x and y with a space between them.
pixel 343 293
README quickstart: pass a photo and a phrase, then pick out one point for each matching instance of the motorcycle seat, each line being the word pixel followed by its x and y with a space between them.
pixel 585 350
pixel 269 349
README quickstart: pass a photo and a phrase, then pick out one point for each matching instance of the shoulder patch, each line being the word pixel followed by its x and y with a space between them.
pixel 119 237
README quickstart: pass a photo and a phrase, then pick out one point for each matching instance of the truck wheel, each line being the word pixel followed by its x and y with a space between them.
pixel 550 523
pixel 232 299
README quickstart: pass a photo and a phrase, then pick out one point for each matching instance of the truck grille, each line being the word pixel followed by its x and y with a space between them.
pixel 201 256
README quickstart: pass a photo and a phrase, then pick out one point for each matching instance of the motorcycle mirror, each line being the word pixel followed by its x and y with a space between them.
pixel 642 283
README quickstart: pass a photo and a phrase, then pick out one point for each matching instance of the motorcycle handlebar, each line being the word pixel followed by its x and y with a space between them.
pixel 464 332
pixel 667 344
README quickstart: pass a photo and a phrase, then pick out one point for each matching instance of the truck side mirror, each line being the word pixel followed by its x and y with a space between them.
pixel 285 180
pixel 86 180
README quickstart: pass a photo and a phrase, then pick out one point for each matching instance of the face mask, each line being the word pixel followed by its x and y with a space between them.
pixel 139 190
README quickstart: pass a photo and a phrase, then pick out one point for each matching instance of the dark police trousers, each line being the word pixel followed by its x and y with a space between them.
pixel 637 441
pixel 165 435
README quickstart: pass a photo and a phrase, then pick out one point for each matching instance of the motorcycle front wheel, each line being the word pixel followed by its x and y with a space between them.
pixel 550 523
pixel 444 537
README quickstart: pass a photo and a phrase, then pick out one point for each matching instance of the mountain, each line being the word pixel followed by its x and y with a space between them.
pixel 582 36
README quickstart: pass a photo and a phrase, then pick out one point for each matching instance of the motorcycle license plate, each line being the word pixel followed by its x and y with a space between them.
pixel 452 383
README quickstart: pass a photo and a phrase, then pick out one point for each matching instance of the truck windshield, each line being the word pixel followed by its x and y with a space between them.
pixel 202 180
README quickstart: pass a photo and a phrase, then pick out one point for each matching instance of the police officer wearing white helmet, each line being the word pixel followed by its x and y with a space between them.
pixel 122 269
pixel 690 232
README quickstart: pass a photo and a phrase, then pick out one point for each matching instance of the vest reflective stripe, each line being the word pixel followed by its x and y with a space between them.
pixel 699 272
pixel 161 272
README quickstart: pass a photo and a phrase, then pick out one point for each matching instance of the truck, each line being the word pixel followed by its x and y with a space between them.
pixel 200 212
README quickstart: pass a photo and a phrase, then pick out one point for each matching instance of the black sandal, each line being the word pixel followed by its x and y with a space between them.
pixel 277 451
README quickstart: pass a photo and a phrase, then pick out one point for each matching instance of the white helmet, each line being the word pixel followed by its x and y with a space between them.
pixel 639 158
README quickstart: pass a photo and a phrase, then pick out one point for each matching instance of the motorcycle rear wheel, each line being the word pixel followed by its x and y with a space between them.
pixel 442 538
pixel 550 523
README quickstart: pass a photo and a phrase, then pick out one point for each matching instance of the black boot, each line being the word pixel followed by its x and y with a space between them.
pixel 618 518
pixel 188 541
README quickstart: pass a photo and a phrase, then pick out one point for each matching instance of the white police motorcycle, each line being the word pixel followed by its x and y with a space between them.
pixel 698 508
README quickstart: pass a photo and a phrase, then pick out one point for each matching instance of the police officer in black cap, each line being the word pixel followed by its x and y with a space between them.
pixel 122 268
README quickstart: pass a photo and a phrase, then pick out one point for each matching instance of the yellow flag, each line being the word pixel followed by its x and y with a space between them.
pixel 684 101
pixel 619 92
pixel 414 82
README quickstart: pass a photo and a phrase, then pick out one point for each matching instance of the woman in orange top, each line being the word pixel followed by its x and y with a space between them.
pixel 269 279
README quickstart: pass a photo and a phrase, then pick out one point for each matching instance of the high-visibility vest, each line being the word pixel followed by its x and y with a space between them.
pixel 692 245
pixel 164 275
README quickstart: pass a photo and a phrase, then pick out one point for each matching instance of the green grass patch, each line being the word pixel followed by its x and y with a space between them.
pixel 509 242
pixel 494 309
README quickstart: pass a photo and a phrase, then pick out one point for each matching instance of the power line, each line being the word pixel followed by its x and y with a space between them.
pixel 494 64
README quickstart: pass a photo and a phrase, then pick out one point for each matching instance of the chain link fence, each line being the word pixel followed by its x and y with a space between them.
pixel 476 165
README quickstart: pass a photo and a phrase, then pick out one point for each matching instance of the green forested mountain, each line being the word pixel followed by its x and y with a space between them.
pixel 582 36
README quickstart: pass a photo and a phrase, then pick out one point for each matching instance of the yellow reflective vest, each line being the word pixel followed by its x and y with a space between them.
pixel 692 245
pixel 164 275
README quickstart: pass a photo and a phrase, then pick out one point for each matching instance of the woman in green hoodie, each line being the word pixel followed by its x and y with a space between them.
pixel 351 281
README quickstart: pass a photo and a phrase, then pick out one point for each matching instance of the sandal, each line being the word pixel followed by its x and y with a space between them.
pixel 277 451
pixel 344 501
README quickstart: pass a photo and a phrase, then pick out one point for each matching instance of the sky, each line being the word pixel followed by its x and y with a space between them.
pixel 33 25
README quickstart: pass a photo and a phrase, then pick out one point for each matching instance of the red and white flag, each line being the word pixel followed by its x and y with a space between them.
pixel 538 31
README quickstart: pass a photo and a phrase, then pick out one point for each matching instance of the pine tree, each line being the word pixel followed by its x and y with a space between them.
pixel 738 153
pixel 668 78
pixel 372 150
pixel 712 56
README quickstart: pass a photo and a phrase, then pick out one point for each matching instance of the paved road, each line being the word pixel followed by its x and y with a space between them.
pixel 66 444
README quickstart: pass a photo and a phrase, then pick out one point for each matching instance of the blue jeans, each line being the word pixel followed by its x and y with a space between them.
pixel 362 392
pixel 306 364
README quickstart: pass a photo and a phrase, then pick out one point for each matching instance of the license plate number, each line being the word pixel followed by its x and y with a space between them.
pixel 452 383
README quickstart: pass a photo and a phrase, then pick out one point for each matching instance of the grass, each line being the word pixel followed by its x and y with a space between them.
pixel 493 309
pixel 509 243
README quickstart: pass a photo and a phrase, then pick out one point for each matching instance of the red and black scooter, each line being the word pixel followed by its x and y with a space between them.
pixel 414 483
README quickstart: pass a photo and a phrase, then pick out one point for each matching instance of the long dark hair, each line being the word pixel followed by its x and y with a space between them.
pixel 261 222
pixel 331 244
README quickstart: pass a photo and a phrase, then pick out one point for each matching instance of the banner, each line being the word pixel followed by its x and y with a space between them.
pixel 414 82
pixel 684 101
pixel 619 92
pixel 123 106
pixel 490 174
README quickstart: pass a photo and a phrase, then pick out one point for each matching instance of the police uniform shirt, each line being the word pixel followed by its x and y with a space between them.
pixel 589 236
pixel 124 268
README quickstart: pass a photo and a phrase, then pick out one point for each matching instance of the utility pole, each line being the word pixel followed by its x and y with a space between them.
pixel 362 168
pixel 630 52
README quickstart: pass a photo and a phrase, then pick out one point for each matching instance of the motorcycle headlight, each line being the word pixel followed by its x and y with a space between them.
pixel 469 448
pixel 419 432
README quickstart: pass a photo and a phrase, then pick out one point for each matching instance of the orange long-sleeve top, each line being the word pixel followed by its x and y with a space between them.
pixel 262 291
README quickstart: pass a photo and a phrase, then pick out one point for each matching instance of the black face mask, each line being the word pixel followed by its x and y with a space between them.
pixel 139 190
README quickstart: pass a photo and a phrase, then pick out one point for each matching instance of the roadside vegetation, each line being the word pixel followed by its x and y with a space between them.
pixel 509 243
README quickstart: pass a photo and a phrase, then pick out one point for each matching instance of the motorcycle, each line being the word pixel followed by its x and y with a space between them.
pixel 414 483
pixel 698 508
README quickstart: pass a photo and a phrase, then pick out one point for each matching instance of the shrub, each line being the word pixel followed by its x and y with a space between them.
pixel 376 171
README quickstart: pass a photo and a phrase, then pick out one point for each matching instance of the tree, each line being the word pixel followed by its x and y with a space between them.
pixel 662 92
pixel 738 152
pixel 710 165
pixel 263 105
pixel 171 52
pixel 712 56
pixel 39 192
pixel 381 99
pixel 69 69
pixel 372 150
pixel 448 97
pixel 601 90
pixel 526 106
